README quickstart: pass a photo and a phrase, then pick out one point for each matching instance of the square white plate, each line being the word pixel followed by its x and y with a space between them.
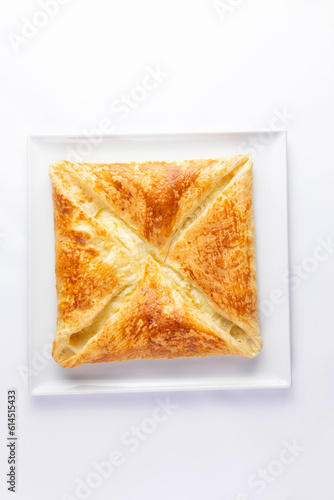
pixel 271 369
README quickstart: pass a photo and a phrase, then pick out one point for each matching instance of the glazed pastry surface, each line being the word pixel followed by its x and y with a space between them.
pixel 154 260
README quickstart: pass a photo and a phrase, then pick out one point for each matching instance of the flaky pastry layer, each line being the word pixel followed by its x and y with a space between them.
pixel 154 260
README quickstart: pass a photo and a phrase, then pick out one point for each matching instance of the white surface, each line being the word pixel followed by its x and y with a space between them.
pixel 229 74
pixel 271 369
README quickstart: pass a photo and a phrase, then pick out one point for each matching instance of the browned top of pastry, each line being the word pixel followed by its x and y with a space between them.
pixel 154 259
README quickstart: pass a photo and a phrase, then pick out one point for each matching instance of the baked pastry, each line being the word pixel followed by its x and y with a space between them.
pixel 154 260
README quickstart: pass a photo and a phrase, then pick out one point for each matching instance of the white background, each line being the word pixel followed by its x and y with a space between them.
pixel 232 71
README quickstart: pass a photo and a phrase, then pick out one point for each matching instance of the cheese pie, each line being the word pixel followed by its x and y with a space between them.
pixel 154 260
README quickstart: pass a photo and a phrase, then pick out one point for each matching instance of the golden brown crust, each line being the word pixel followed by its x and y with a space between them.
pixel 156 322
pixel 217 253
pixel 85 278
pixel 153 198
pixel 115 225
